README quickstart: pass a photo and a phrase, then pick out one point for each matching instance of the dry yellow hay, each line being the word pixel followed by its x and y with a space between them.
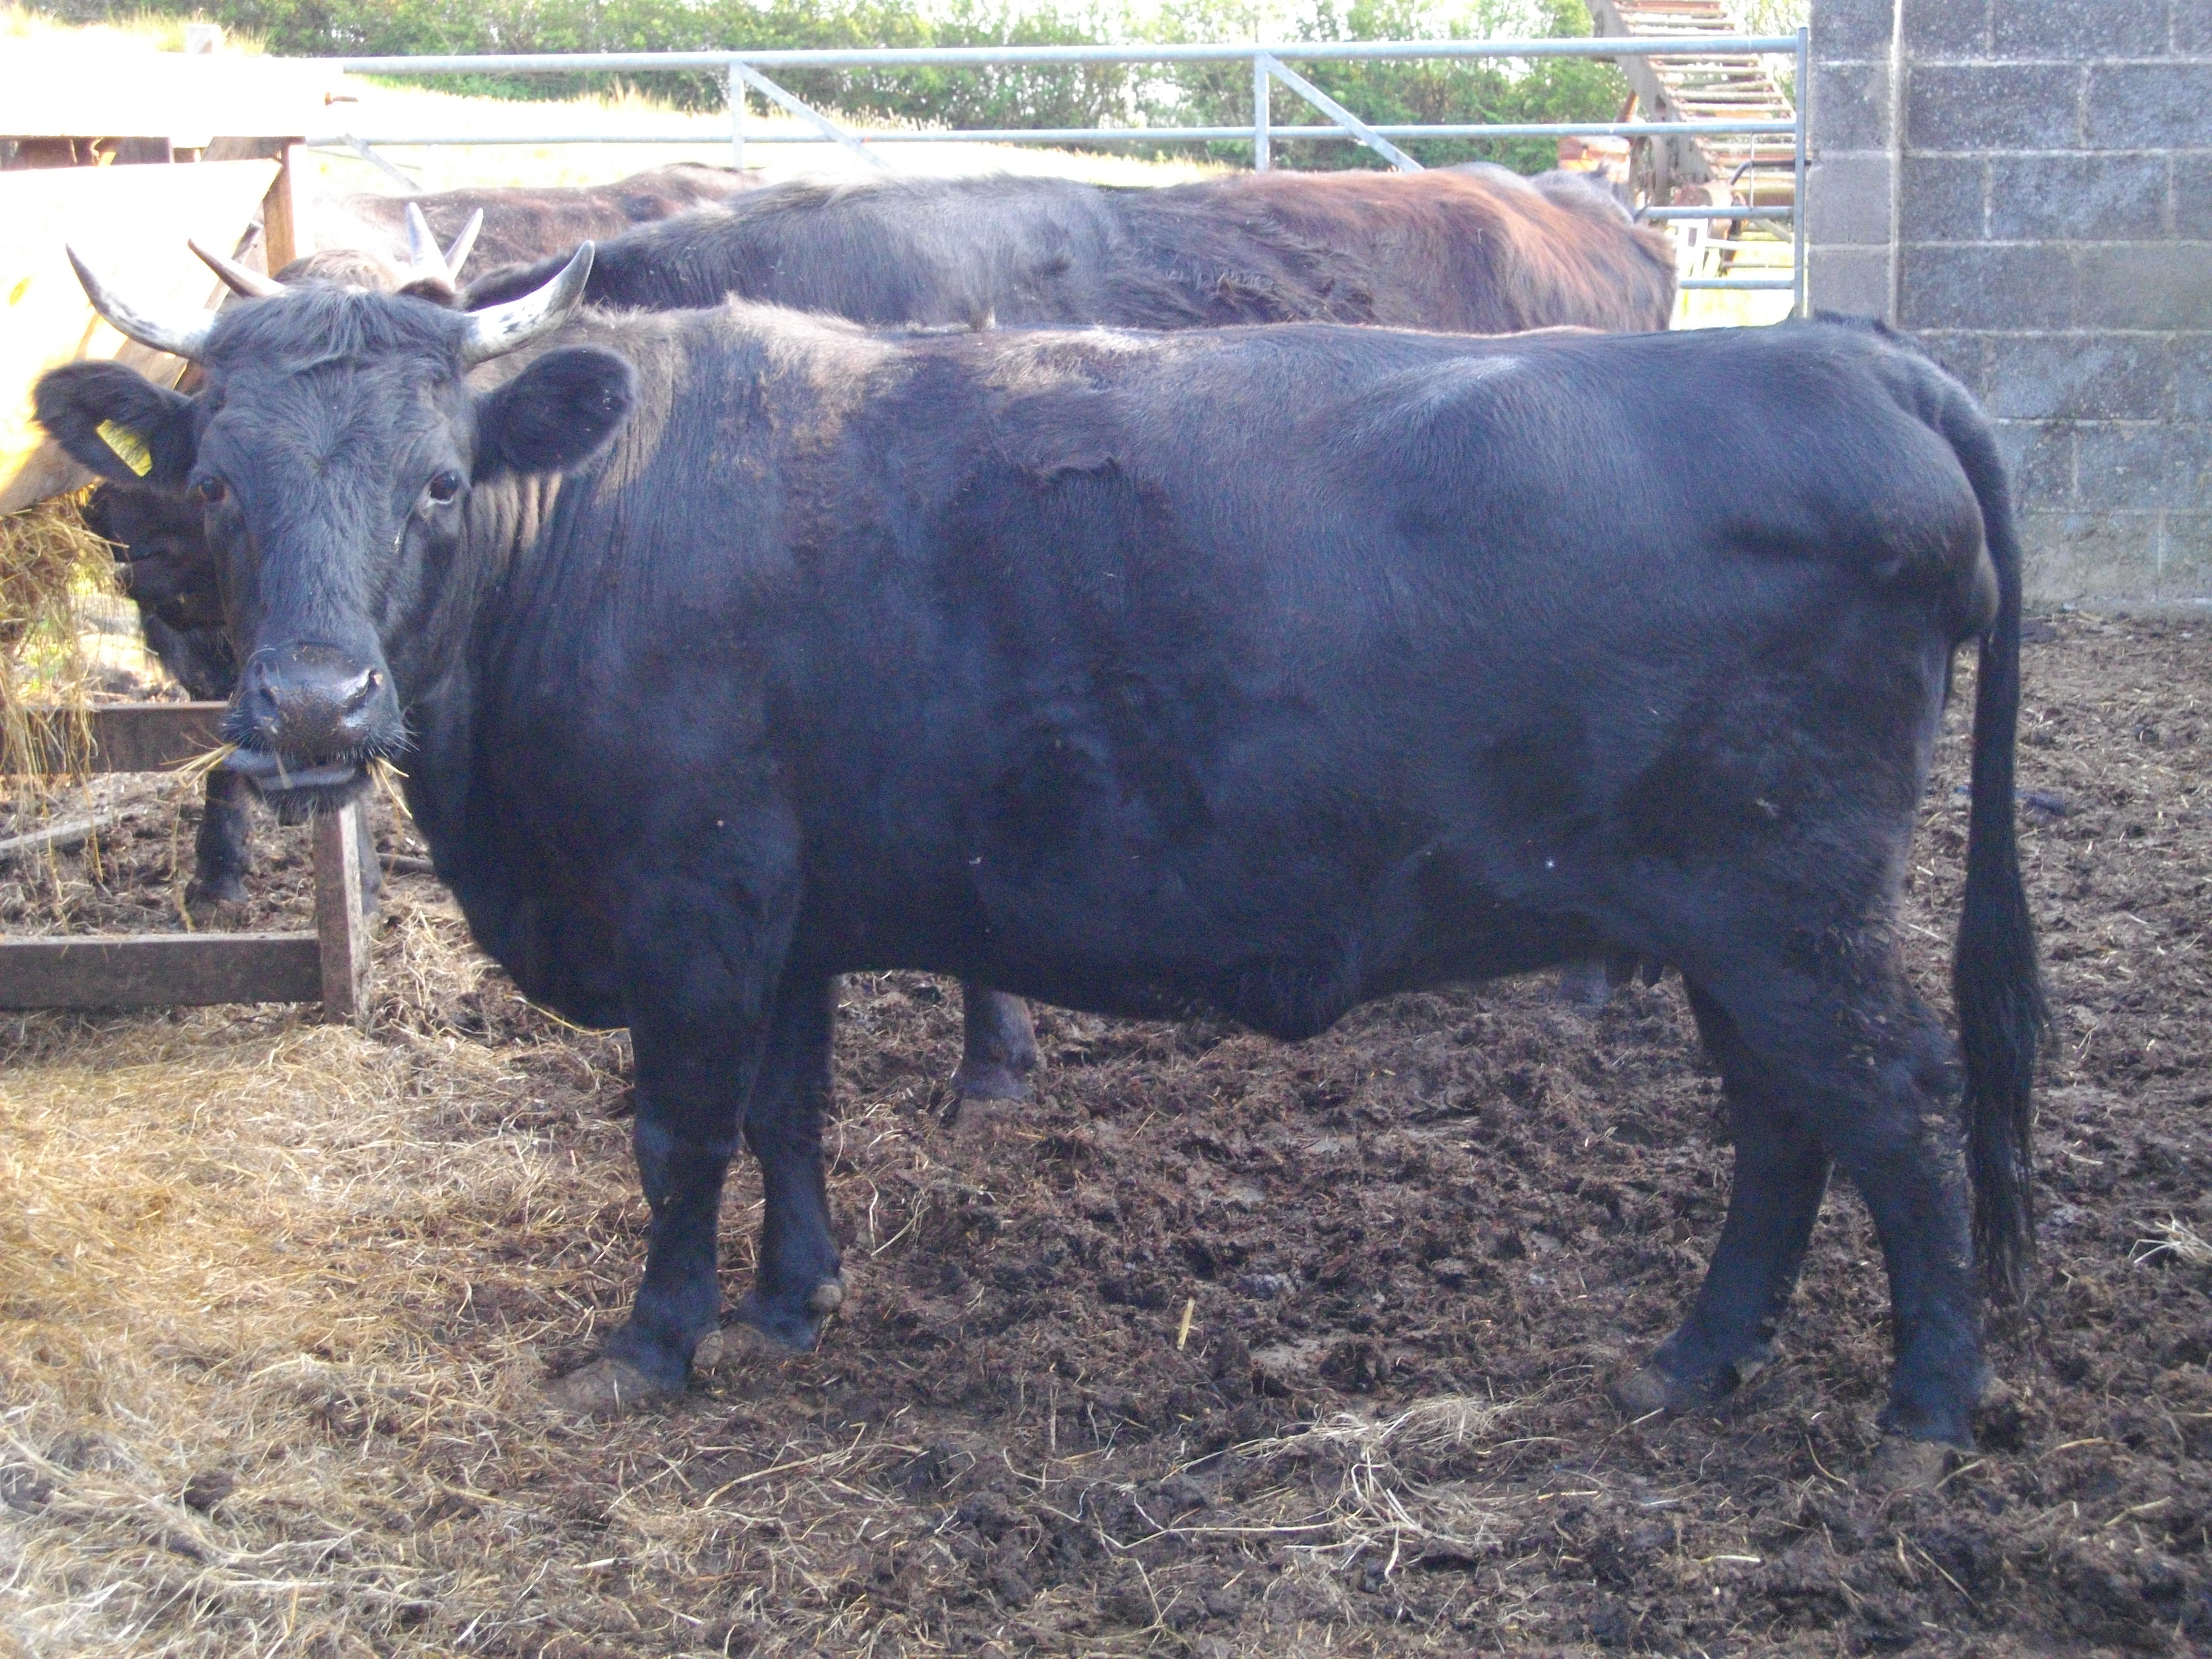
pixel 49 562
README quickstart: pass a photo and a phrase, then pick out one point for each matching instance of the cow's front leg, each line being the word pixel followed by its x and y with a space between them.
pixel 997 1045
pixel 692 1081
pixel 222 852
pixel 798 1283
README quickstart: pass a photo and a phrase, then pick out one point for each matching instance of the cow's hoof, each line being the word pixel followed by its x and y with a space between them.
pixel 1585 985
pixel 206 897
pixel 605 1387
pixel 1645 1390
pixel 986 1082
pixel 1902 1464
pixel 793 1324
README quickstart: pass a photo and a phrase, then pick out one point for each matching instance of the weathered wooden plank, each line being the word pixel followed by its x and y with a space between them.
pixel 341 925
pixel 158 970
pixel 126 737
pixel 61 837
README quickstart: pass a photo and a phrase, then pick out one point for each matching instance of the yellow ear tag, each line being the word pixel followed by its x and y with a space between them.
pixel 128 446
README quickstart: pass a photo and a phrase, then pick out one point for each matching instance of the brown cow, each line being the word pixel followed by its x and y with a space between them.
pixel 1477 250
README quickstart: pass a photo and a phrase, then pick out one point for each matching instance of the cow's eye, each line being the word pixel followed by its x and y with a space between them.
pixel 208 491
pixel 445 486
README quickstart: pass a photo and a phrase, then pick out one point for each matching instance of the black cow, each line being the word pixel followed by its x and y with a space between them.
pixel 1263 670
pixel 1473 248
pixel 1478 250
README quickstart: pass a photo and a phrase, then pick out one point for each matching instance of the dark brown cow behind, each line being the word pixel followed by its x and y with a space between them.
pixel 1478 251
pixel 523 221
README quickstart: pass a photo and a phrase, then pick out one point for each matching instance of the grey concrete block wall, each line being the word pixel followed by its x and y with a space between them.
pixel 2025 185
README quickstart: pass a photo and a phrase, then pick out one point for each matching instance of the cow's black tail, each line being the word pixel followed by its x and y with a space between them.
pixel 1994 975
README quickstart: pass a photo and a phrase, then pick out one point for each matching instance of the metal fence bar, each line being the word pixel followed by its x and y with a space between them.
pixel 1716 213
pixel 1776 282
pixel 1262 157
pixel 1337 113
pixel 813 117
pixel 587 63
pixel 735 84
pixel 1803 302
pixel 1104 134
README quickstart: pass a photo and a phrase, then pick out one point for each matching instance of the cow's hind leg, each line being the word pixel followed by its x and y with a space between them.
pixel 1781 1173
pixel 1865 1066
pixel 798 1282
pixel 998 1046
pixel 222 852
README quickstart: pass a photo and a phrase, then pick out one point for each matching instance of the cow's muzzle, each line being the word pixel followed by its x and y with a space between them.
pixel 306 716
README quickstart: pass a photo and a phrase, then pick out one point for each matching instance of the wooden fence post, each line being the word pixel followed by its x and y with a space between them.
pixel 341 923
pixel 281 241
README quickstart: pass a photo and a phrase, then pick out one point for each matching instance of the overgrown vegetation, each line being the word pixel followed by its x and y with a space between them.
pixel 1075 95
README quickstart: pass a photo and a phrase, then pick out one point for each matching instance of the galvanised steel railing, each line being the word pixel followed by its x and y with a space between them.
pixel 745 71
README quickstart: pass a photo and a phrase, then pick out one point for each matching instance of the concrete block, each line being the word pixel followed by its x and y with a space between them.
pixel 2149 106
pixel 2192 197
pixel 1941 199
pixel 2084 558
pixel 1994 107
pixel 2192 25
pixel 2039 459
pixel 2094 199
pixel 1848 108
pixel 1981 287
pixel 2137 466
pixel 2076 29
pixel 2192 357
pixel 2145 285
pixel 1963 355
pixel 1851 28
pixel 2077 377
pixel 1853 280
pixel 1946 29
pixel 1847 200
pixel 2185 560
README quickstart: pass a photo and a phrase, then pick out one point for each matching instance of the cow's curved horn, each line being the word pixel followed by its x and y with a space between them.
pixel 497 330
pixel 235 277
pixel 424 261
pixel 464 244
pixel 186 339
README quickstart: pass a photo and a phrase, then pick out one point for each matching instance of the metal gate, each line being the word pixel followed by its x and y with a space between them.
pixel 1271 65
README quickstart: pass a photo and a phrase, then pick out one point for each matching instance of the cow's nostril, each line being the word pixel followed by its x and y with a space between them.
pixel 369 684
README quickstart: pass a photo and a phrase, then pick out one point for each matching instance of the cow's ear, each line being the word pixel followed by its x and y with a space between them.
pixel 555 415
pixel 120 423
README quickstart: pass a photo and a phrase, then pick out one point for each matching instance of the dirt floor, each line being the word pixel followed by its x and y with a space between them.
pixel 1220 1347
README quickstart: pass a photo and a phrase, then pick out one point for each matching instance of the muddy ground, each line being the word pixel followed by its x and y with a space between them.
pixel 1219 1347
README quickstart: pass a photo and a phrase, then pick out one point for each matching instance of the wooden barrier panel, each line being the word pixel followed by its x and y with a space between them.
pixel 136 970
pixel 122 737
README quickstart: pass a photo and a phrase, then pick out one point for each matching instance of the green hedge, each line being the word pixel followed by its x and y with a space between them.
pixel 1010 96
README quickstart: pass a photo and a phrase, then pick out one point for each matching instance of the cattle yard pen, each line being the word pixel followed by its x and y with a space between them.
pixel 745 72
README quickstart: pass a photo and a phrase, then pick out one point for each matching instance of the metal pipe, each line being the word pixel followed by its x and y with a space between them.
pixel 1262 156
pixel 1104 134
pixel 736 83
pixel 1804 302
pixel 548 63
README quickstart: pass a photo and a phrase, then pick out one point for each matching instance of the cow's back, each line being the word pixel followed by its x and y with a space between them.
pixel 1477 250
